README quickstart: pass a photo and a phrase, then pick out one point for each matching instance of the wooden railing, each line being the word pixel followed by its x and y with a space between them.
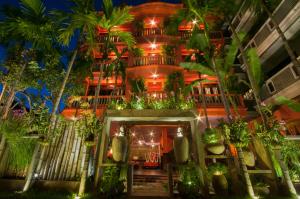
pixel 212 100
pixel 214 35
pixel 103 38
pixel 102 101
pixel 150 32
pixel 153 60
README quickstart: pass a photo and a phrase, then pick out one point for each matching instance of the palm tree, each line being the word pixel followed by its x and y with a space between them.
pixel 112 17
pixel 27 24
pixel 259 6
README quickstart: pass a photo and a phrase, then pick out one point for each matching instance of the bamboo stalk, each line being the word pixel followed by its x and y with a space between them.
pixel 64 158
pixel 32 167
pixel 72 155
pixel 69 148
pixel 54 158
pixel 78 167
pixel 61 153
pixel 2 147
pixel 85 171
pixel 76 157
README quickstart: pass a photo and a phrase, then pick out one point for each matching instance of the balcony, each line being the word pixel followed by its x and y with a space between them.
pixel 153 60
pixel 212 100
pixel 287 15
pixel 150 32
pixel 284 83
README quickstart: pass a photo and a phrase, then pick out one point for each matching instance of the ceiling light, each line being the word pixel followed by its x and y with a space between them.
pixel 152 22
pixel 155 75
pixel 133 134
pixel 151 134
pixel 153 46
pixel 194 21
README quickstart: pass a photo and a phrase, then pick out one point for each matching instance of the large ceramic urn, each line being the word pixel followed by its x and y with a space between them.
pixel 181 147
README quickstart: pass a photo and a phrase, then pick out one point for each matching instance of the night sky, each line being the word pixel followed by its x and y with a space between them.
pixel 62 5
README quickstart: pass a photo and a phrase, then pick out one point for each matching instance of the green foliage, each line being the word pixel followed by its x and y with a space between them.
pixel 291 156
pixel 137 52
pixel 137 86
pixel 270 136
pixel 118 105
pixel 217 169
pixel 88 126
pixel 20 149
pixel 255 67
pixel 212 136
pixel 168 50
pixel 189 184
pixel 174 84
pixel 198 67
pixel 111 185
pixel 237 133
pixel 138 103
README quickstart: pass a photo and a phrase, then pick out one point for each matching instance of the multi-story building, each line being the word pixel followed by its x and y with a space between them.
pixel 281 77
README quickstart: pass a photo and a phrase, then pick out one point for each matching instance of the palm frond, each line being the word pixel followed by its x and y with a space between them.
pixel 197 67
pixel 125 37
pixel 33 8
pixel 232 51
pixel 255 66
pixel 120 16
pixel 107 7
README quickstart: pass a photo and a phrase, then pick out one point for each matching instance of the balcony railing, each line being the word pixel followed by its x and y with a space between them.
pixel 153 60
pixel 214 35
pixel 212 100
pixel 150 32
pixel 281 80
pixel 103 38
pixel 102 101
pixel 284 16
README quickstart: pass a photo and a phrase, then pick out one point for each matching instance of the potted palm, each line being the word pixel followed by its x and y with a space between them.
pixel 181 147
pixel 214 141
pixel 120 146
pixel 217 173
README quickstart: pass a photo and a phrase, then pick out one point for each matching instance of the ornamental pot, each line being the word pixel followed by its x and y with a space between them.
pixel 181 149
pixel 220 184
pixel 216 149
pixel 119 148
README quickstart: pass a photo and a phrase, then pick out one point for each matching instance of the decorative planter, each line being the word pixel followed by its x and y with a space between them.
pixel 220 184
pixel 181 149
pixel 216 148
pixel 119 148
pixel 249 158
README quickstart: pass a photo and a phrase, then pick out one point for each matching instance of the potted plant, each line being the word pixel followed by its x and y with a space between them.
pixel 217 173
pixel 189 184
pixel 120 146
pixel 214 141
pixel 181 147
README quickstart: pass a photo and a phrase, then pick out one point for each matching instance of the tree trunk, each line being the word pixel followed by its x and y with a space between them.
pixel 97 91
pixel 2 146
pixel 251 79
pixel 12 93
pixel 32 167
pixel 204 104
pixel 246 174
pixel 281 34
pixel 4 85
pixel 84 173
pixel 286 173
pixel 57 102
